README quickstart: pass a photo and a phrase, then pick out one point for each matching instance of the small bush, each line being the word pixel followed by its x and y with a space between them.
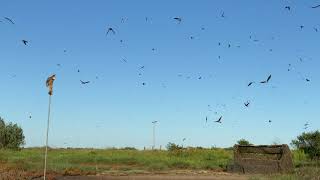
pixel 243 142
pixel 173 147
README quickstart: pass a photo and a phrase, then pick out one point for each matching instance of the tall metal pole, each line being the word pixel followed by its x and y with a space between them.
pixel 47 135
pixel 154 136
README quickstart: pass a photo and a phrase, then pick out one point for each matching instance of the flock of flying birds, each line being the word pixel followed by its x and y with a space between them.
pixel 112 31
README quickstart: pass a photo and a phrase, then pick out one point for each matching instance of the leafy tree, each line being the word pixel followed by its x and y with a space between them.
pixel 11 135
pixel 243 142
pixel 309 143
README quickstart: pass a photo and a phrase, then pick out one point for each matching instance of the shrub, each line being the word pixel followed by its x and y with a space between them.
pixel 243 142
pixel 11 135
pixel 309 143
pixel 173 147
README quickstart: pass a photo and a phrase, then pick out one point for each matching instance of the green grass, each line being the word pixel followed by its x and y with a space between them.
pixel 95 161
pixel 92 161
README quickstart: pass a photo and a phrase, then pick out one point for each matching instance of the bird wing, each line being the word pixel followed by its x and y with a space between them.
pixel 316 6
pixel 9 20
pixel 47 82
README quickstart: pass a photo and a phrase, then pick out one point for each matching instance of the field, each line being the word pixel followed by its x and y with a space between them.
pixel 72 162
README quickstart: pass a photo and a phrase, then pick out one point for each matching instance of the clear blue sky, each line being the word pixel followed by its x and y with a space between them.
pixel 116 110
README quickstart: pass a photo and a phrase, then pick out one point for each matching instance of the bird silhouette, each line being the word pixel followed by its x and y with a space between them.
pixel 206 119
pixel 110 30
pixel 153 122
pixel 143 83
pixel 250 83
pixel 183 139
pixel 316 29
pixel 269 121
pixel 179 19
pixel 124 60
pixel 247 104
pixel 219 120
pixel 301 27
pixel 222 14
pixel 25 42
pixel 316 6
pixel 288 7
pixel 266 81
pixel 308 80
pixel 84 82
pixel 8 19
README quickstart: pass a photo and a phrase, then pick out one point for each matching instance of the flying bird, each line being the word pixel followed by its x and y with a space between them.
pixel 206 119
pixel 308 80
pixel 84 82
pixel 269 121
pixel 143 83
pixel 178 19
pixel 8 19
pixel 153 122
pixel 222 15
pixel 288 7
pixel 219 120
pixel 316 6
pixel 250 83
pixel 183 139
pixel 247 104
pixel 266 81
pixel 301 27
pixel 316 29
pixel 124 60
pixel 110 30
pixel 25 42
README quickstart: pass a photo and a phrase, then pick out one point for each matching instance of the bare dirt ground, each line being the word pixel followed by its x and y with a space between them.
pixel 160 177
pixel 173 175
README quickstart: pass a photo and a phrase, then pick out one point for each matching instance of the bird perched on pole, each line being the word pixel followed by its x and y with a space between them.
pixel 49 83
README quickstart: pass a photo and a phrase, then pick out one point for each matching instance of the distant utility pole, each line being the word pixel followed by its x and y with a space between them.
pixel 154 134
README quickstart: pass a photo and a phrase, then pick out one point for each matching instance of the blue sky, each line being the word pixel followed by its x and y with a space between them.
pixel 116 110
